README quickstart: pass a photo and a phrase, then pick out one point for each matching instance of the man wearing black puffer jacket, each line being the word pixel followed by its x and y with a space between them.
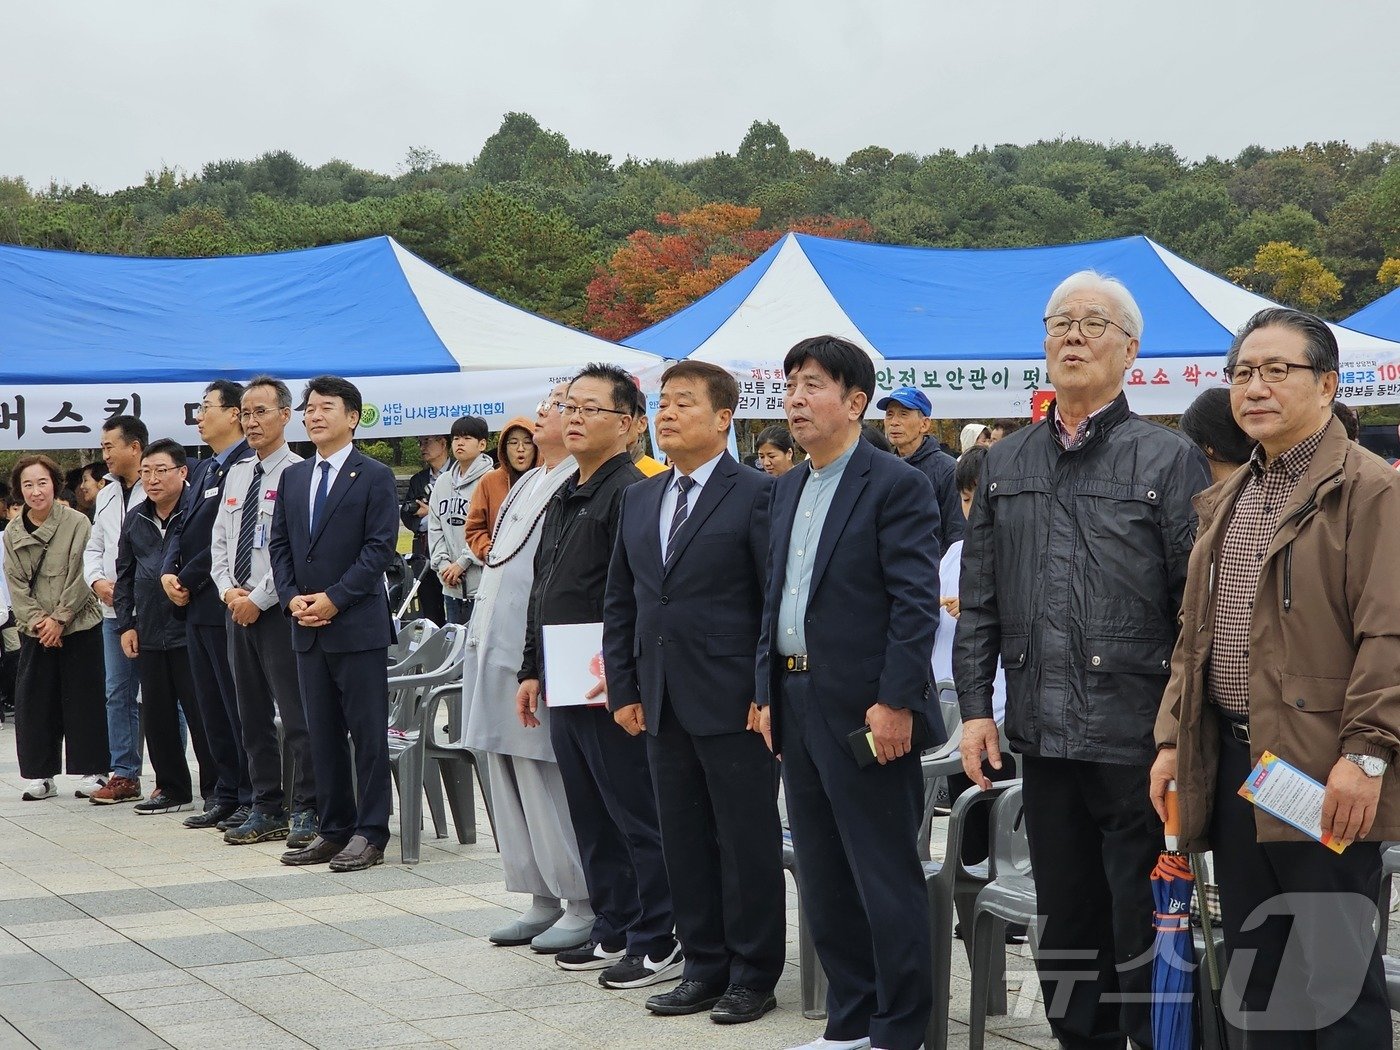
pixel 150 633
pixel 1074 561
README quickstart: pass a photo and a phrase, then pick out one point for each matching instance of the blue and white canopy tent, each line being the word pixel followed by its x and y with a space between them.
pixel 1381 318
pixel 85 337
pixel 965 324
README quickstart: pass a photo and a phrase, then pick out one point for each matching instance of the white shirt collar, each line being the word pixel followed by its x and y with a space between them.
pixel 699 475
pixel 336 459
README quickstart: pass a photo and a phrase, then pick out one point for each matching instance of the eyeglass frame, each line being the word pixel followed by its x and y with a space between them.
pixel 587 411
pixel 1253 370
pixel 547 405
pixel 200 411
pixel 261 412
pixel 1080 322
pixel 160 473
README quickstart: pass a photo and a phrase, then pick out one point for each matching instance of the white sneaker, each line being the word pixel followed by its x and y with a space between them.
pixel 823 1043
pixel 38 789
pixel 88 785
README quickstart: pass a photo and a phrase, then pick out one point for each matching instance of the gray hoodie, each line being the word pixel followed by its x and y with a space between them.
pixel 447 523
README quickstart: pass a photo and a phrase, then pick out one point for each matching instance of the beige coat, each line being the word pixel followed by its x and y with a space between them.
pixel 1324 660
pixel 59 589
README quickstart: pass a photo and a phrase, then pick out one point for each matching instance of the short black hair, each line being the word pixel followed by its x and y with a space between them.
pixel 132 429
pixel 1209 421
pixel 279 388
pixel 97 470
pixel 1350 421
pixel 334 386
pixel 876 437
pixel 627 396
pixel 230 393
pixel 1321 348
pixel 1008 426
pixel 777 436
pixel 841 359
pixel 471 427
pixel 720 385
pixel 169 447
pixel 969 469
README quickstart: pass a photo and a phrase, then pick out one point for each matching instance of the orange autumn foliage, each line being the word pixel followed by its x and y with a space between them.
pixel 655 274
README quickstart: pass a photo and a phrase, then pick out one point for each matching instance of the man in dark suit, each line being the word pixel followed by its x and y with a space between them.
pixel 334 530
pixel 680 631
pixel 849 623
pixel 185 579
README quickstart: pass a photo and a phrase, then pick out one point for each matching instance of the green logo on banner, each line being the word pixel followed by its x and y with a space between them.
pixel 369 415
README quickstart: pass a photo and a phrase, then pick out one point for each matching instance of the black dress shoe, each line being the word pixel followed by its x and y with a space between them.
pixel 318 852
pixel 211 816
pixel 357 856
pixel 688 997
pixel 740 1004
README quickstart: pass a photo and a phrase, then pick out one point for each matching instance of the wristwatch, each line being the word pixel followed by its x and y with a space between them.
pixel 1371 765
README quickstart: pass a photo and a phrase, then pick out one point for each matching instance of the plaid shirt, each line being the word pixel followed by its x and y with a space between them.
pixel 1253 523
pixel 1070 441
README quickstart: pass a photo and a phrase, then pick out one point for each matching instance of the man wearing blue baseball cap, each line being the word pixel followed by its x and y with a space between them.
pixel 907 411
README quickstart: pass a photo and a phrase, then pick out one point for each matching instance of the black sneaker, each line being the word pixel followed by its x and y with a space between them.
pixel 236 819
pixel 639 971
pixel 211 815
pixel 302 830
pixel 160 802
pixel 591 956
pixel 259 827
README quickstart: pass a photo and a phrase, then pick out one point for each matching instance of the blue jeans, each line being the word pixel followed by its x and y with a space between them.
pixel 459 610
pixel 123 714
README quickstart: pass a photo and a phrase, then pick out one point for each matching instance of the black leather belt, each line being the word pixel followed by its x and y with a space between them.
pixel 795 664
pixel 1238 728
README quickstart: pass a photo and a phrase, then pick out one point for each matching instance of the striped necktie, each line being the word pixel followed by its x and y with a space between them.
pixel 247 525
pixel 685 484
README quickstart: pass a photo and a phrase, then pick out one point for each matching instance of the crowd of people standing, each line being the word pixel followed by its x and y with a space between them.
pixel 1125 604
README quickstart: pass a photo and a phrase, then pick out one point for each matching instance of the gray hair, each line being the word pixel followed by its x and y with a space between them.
pixel 1321 343
pixel 1112 287
pixel 284 394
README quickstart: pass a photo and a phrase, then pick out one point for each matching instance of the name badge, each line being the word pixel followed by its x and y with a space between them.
pixel 211 492
pixel 260 536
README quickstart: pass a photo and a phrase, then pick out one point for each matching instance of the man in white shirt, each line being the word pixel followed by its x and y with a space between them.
pixel 260 640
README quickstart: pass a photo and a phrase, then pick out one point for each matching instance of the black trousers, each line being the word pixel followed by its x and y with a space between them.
pixel 1317 954
pixel 265 681
pixel 226 781
pixel 722 840
pixel 1094 840
pixel 61 707
pixel 855 834
pixel 612 804
pixel 167 686
pixel 347 699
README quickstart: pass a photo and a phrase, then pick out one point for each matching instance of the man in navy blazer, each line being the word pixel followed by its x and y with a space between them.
pixel 185 580
pixel 681 623
pixel 334 529
pixel 849 623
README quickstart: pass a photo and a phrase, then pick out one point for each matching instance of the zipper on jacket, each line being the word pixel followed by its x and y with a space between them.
pixel 1288 577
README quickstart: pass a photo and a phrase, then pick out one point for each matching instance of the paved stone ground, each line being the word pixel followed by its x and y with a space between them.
pixel 119 931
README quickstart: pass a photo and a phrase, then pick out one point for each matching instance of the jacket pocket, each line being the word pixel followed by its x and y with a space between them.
pixel 1309 693
pixel 1123 684
pixel 1020 701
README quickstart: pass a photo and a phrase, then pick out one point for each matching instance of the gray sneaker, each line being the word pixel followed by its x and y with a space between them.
pixel 302 830
pixel 259 827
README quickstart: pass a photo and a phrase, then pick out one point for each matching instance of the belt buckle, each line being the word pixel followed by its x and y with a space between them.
pixel 795 664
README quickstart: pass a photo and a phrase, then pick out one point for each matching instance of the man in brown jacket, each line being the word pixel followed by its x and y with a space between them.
pixel 1290 641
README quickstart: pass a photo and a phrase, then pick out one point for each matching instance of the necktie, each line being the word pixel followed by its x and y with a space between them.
pixel 682 509
pixel 247 525
pixel 321 489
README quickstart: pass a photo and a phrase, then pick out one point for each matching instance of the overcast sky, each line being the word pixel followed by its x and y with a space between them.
pixel 102 92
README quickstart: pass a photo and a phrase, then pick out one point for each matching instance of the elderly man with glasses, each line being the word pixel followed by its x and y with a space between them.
pixel 607 778
pixel 1073 565
pixel 1289 644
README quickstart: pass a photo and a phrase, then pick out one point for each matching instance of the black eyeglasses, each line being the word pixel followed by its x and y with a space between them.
pixel 588 411
pixel 1059 325
pixel 1270 371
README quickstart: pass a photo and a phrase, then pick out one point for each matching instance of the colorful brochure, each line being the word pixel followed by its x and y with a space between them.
pixel 1286 792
